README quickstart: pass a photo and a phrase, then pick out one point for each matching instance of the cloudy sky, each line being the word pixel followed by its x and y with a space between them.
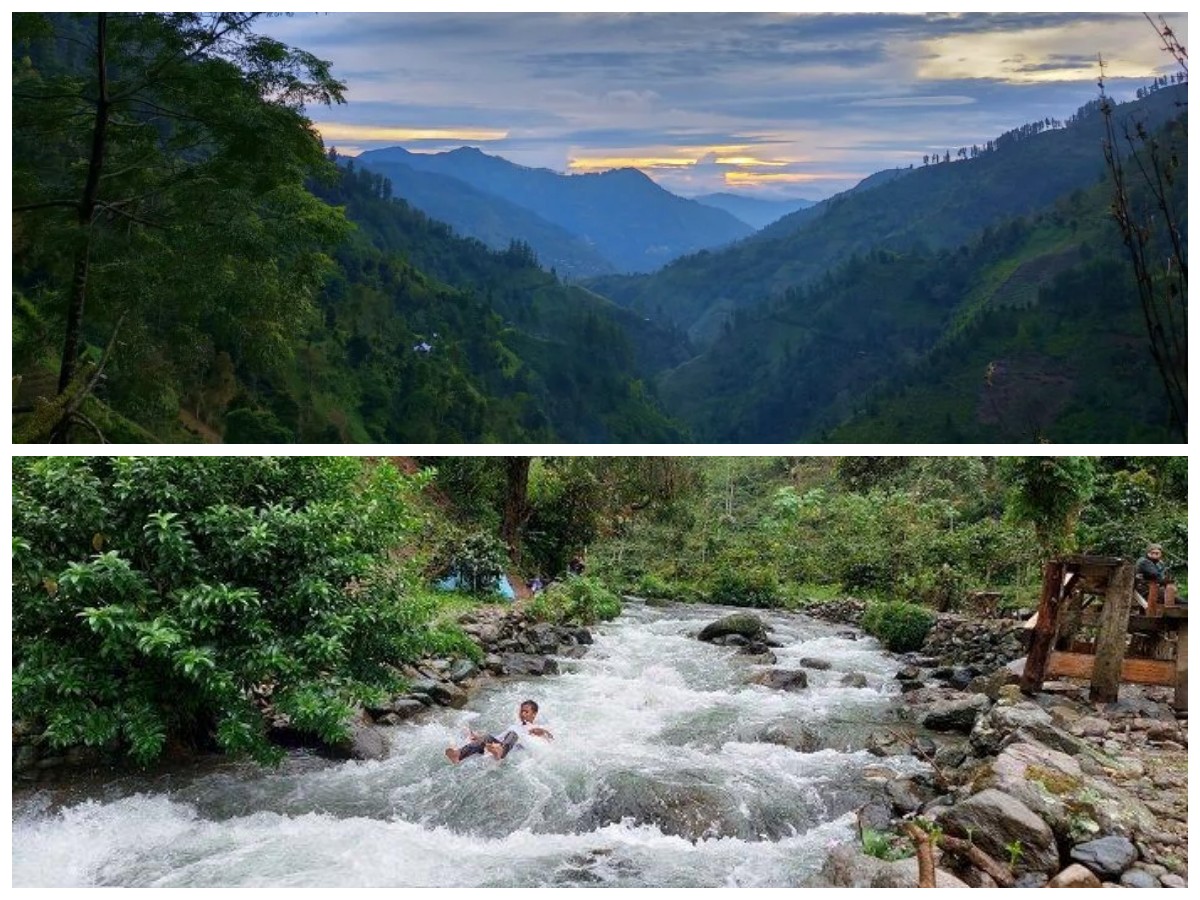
pixel 772 104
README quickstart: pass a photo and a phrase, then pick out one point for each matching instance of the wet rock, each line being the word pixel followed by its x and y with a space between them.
pixel 732 640
pixel 847 635
pixel 782 679
pixel 528 664
pixel 957 714
pixel 583 636
pixel 875 815
pixel 688 807
pixel 747 625
pixel 994 820
pixel 907 687
pixel 923 747
pixel 423 686
pixel 1108 856
pixel 792 735
pixel 908 673
pixel 365 742
pixel 571 651
pixel 26 758
pixel 494 664
pixel 908 795
pixel 462 669
pixel 446 693
pixel 658 603
pixel 1138 878
pixel 818 665
pixel 854 679
pixel 884 743
pixel 1074 876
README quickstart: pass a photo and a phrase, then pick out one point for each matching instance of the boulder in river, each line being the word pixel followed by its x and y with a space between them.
pixel 819 665
pixel 686 806
pixel 747 625
pixel 994 820
pixel 782 679
pixel 447 693
pixel 462 669
pixel 364 742
pixel 528 664
pixel 790 734
pixel 854 679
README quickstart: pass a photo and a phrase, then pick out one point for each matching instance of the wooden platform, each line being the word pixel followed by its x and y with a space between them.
pixel 1133 671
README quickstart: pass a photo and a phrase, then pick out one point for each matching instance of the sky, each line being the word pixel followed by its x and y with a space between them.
pixel 765 104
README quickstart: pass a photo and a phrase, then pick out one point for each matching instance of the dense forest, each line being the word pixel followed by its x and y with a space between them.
pixel 191 263
pixel 167 603
pixel 296 300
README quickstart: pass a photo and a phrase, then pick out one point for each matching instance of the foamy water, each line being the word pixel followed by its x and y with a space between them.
pixel 650 710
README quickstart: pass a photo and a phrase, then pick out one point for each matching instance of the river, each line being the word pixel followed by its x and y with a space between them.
pixel 655 741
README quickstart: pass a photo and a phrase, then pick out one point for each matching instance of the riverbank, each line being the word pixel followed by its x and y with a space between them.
pixel 1052 790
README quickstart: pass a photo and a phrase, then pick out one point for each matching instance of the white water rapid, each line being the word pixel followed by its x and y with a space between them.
pixel 656 741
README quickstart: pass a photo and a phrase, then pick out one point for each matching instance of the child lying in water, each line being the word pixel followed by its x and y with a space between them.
pixel 499 747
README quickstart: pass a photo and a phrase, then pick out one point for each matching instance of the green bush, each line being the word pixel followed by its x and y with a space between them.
pixel 576 601
pixel 478 560
pixel 657 587
pixel 159 598
pixel 745 586
pixel 900 626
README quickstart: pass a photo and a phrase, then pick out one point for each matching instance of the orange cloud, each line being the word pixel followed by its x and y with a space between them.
pixel 750 179
pixel 748 161
pixel 602 163
pixel 342 131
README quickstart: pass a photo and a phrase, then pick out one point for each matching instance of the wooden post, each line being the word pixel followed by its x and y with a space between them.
pixel 1180 703
pixel 1111 635
pixel 1152 599
pixel 1045 629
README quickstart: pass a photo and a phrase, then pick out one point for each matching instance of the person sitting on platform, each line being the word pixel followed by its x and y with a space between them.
pixel 1152 570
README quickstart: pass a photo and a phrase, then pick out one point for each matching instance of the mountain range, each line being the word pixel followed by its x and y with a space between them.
pixel 622 216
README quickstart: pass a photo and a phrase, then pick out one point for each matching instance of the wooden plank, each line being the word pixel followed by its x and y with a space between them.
pixel 1152 606
pixel 1044 630
pixel 1133 671
pixel 1110 636
pixel 1181 669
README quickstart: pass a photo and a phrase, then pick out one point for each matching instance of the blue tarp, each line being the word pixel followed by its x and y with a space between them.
pixel 501 586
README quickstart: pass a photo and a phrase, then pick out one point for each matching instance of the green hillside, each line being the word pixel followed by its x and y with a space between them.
pixel 933 207
pixel 1031 332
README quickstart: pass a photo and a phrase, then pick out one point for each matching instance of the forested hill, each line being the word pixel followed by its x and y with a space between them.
pixel 1030 332
pixel 509 344
pixel 940 205
pixel 189 263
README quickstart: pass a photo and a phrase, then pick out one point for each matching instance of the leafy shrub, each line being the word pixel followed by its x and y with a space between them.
pixel 745 586
pixel 900 626
pixel 658 587
pixel 576 601
pixel 156 598
pixel 478 560
pixel 885 845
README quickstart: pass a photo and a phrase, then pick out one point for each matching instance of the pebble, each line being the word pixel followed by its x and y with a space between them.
pixel 1172 880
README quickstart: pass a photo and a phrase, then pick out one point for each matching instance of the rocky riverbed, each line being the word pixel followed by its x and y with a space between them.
pixel 1056 790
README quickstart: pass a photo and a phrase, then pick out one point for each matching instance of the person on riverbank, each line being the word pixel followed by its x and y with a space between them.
pixel 1152 569
pixel 499 747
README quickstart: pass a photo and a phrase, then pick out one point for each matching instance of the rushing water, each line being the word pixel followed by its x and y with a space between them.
pixel 656 738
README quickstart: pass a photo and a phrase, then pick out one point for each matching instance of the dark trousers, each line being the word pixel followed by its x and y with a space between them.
pixel 476 747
